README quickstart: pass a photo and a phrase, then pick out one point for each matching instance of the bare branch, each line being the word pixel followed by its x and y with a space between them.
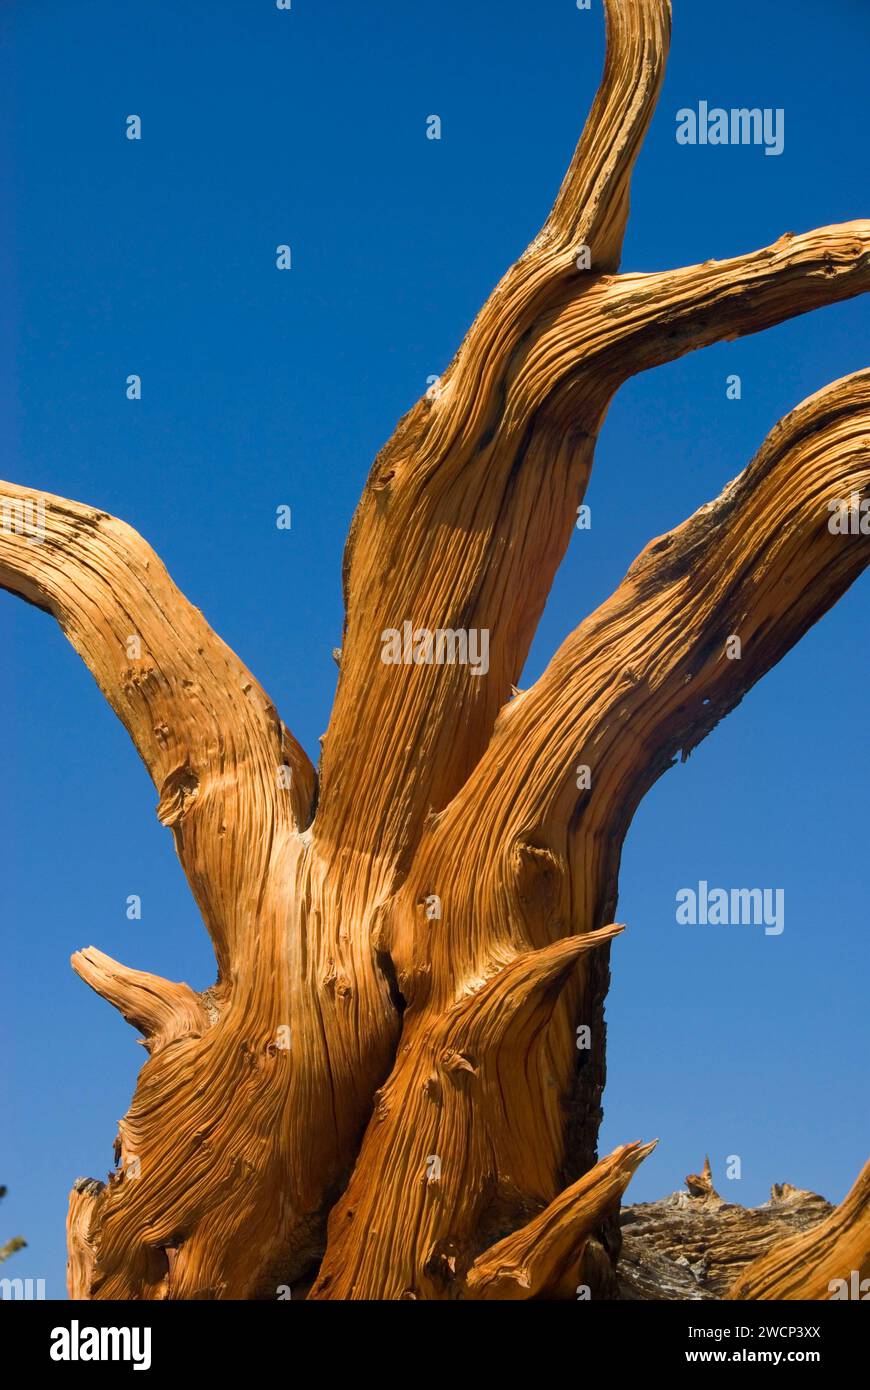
pixel 161 1009
pixel 662 316
pixel 436 793
pixel 545 1256
pixel 82 1215
pixel 470 508
pixel 445 497
pixel 652 672
pixel 206 731
pixel 531 844
pixel 592 206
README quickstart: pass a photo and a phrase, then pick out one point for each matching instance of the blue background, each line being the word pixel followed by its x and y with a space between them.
pixel 262 388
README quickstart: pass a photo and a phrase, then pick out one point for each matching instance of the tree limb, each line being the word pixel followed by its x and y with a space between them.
pixel 161 1009
pixel 441 536
pixel 592 205
pixel 470 507
pixel 648 674
pixel 453 887
pixel 527 851
pixel 662 316
pixel 204 728
pixel 300 1022
pixel 545 1255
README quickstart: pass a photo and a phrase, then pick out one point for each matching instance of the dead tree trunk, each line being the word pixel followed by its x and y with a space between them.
pixel 407 940
pixel 693 1245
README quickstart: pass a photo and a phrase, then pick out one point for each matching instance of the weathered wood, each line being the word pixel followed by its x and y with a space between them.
pixel 693 1244
pixel 407 942
pixel 829 1260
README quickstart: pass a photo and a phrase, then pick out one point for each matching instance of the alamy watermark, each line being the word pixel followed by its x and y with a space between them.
pixel 854 1287
pixel 21 1289
pixel 445 646
pixel 850 518
pixel 22 516
pixel 721 907
pixel 77 1343
pixel 741 125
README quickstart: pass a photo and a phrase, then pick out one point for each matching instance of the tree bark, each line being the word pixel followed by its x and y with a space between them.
pixel 695 1246
pixel 407 941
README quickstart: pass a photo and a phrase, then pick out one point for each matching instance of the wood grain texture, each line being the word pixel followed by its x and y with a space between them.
pixel 377 1099
pixel 546 1256
pixel 693 1245
pixel 810 1265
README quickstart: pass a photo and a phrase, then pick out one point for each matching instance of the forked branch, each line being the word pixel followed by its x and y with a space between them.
pixel 470 507
pixel 440 791
pixel 702 614
pixel 530 846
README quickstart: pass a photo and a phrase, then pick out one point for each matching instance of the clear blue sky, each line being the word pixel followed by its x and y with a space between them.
pixel 262 388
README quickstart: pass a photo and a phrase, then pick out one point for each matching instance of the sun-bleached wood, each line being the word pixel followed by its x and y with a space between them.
pixel 412 1079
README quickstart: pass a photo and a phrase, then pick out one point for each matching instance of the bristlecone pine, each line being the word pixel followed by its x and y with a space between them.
pixel 380 1097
